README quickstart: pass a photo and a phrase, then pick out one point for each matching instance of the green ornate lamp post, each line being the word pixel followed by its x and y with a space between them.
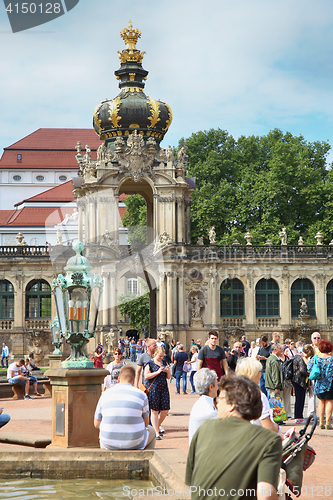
pixel 77 296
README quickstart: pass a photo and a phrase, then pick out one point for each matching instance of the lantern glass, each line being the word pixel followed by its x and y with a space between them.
pixel 59 298
pixel 77 302
pixel 55 331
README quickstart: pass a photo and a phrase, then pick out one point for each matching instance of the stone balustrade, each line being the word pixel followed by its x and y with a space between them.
pixel 37 324
pixel 24 251
pixel 6 324
pixel 268 322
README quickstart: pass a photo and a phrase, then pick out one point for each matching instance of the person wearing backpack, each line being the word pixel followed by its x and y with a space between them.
pixel 299 381
pixel 213 357
pixel 287 366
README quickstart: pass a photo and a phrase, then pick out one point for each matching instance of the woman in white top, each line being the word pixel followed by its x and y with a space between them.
pixel 194 363
pixel 114 369
pixel 251 368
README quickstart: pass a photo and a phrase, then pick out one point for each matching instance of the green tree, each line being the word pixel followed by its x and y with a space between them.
pixel 259 184
pixel 135 219
pixel 136 308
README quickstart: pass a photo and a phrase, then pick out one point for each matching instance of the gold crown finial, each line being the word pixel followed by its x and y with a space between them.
pixel 130 36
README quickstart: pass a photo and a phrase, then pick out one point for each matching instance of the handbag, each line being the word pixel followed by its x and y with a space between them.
pixel 187 367
pixel 144 389
pixel 315 370
pixel 279 414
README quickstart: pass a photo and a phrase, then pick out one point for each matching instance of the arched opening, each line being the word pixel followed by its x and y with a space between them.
pixel 138 218
pixel 267 298
pixel 232 298
pixel 302 289
pixel 139 214
pixel 329 293
pixel 137 303
pixel 38 299
pixel 6 300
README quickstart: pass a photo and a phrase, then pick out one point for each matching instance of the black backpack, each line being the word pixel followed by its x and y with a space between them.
pixel 288 369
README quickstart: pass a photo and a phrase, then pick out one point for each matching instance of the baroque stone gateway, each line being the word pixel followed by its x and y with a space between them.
pixel 236 289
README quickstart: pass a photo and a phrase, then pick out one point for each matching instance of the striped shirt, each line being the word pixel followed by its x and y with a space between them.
pixel 122 410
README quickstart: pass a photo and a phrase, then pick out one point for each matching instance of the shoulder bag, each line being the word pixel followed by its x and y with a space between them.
pixel 315 370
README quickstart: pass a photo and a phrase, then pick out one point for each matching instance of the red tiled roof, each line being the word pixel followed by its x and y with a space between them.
pixel 49 148
pixel 63 193
pixel 58 139
pixel 4 216
pixel 35 216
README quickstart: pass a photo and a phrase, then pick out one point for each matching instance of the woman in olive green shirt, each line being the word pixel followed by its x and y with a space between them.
pixel 229 457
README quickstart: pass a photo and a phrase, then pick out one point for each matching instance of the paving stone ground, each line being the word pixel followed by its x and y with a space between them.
pixel 35 417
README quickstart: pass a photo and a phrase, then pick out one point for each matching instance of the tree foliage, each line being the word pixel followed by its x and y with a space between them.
pixel 135 219
pixel 136 308
pixel 255 184
pixel 259 184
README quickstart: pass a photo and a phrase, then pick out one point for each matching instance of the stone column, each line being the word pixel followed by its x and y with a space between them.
pixel 180 221
pixel 113 299
pixel 188 221
pixel 19 302
pixel 156 214
pixel 80 204
pixel 215 307
pixel 320 301
pixel 105 299
pixel 181 298
pixel 162 306
pixel 250 302
pixel 170 297
pixel 285 302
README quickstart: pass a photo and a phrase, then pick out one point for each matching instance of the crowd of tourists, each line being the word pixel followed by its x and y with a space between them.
pixel 234 385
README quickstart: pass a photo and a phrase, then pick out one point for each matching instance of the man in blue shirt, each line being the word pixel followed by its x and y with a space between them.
pixel 179 359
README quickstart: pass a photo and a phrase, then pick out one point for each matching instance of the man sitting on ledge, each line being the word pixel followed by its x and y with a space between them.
pixel 122 416
pixel 14 376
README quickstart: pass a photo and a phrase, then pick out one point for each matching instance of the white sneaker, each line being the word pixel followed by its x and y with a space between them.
pixel 27 397
pixel 161 429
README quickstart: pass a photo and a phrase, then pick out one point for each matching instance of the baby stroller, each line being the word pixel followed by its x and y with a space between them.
pixel 297 456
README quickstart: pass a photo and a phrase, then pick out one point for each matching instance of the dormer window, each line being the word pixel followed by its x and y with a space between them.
pixel 19 157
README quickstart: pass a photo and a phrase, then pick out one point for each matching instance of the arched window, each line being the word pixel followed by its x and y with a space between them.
pixel 329 291
pixel 302 289
pixel 267 298
pixel 232 298
pixel 38 300
pixel 6 300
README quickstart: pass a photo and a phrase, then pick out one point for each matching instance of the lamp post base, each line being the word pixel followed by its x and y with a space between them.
pixel 75 394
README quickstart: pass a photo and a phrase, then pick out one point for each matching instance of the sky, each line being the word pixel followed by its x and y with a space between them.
pixel 244 66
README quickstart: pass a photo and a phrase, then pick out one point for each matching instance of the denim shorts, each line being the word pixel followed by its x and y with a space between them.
pixel 16 380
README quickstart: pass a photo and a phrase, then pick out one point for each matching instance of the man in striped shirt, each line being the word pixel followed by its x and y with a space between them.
pixel 122 416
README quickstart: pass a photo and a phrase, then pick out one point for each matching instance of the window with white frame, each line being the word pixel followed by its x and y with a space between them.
pixel 132 286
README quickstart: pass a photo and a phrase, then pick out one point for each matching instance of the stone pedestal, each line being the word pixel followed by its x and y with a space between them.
pixel 55 361
pixel 75 394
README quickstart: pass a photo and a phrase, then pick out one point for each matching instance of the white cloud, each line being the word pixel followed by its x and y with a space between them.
pixel 243 66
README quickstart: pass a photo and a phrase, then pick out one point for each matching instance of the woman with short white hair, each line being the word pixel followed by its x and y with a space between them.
pixel 251 368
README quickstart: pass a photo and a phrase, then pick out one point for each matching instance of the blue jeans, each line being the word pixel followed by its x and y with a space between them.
pixel 133 356
pixel 4 419
pixel 191 380
pixel 262 384
pixel 6 359
pixel 16 380
pixel 180 374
